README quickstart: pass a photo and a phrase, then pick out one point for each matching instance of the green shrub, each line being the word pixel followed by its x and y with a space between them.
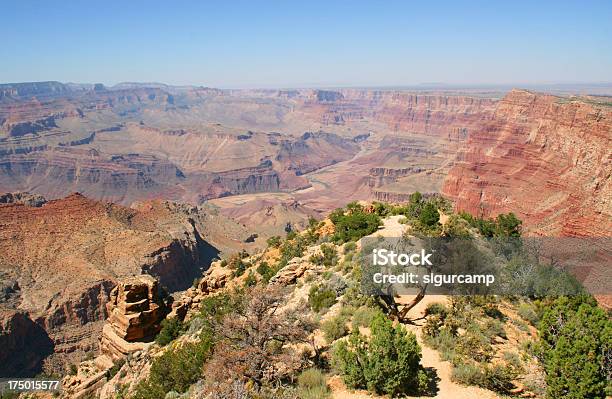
pixel 429 216
pixel 456 227
pixel 265 271
pixel 382 209
pixel 475 344
pixel 250 279
pixel 436 308
pixel 239 267
pixel 354 223
pixel 445 343
pixel 350 246
pixel 115 369
pixel 171 329
pixel 505 225
pixel 175 370
pixel 527 311
pixel 496 377
pixel 575 337
pixel 363 316
pixel 312 385
pixel 321 297
pixel 213 308
pixel 289 250
pixel 386 362
pixel 330 255
pixel 274 241
pixel 469 374
pixel 433 325
pixel 316 259
pixel 334 328
pixel 494 328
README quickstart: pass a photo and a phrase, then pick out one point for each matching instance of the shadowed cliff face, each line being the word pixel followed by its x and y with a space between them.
pixel 545 158
pixel 61 260
pixel 24 345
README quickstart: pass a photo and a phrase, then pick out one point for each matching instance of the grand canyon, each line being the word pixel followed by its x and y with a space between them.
pixel 310 151
pixel 102 184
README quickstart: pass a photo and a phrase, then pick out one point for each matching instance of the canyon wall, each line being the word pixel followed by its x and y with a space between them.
pixel 547 159
pixel 66 255
pixel 24 345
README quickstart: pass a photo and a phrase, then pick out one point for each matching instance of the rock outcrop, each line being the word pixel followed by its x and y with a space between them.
pixel 66 256
pixel 547 159
pixel 135 311
pixel 27 199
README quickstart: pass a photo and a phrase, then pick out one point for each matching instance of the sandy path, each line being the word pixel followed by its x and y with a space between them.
pixel 447 389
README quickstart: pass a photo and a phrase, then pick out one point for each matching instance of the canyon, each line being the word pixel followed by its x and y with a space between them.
pixel 316 149
pixel 59 261
pixel 158 180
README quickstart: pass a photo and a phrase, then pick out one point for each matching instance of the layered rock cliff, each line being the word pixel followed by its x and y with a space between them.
pixel 452 116
pixel 548 159
pixel 60 171
pixel 67 255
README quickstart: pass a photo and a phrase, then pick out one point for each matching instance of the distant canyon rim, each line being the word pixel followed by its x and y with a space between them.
pixel 269 158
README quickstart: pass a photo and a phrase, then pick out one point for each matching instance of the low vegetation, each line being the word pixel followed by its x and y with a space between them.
pixel 248 342
pixel 353 223
pixel 465 333
pixel 312 385
pixel 385 362
pixel 171 329
pixel 335 328
pixel 321 297
pixel 175 370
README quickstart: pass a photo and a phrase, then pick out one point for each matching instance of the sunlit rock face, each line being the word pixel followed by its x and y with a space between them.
pixel 545 158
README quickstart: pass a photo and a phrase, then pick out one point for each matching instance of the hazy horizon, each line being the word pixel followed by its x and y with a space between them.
pixel 552 86
pixel 315 44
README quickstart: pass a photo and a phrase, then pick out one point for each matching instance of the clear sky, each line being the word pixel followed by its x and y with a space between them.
pixel 307 42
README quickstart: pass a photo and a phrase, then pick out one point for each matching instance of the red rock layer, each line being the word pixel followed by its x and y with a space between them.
pixel 450 116
pixel 545 158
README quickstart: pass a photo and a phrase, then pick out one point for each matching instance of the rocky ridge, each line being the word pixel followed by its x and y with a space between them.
pixel 66 256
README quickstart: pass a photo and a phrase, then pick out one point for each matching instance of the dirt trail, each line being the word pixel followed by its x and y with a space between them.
pixel 446 388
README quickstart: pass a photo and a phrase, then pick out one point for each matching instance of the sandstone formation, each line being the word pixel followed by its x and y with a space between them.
pixel 135 311
pixel 548 159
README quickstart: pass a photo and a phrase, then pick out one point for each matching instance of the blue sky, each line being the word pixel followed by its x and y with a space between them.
pixel 307 43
